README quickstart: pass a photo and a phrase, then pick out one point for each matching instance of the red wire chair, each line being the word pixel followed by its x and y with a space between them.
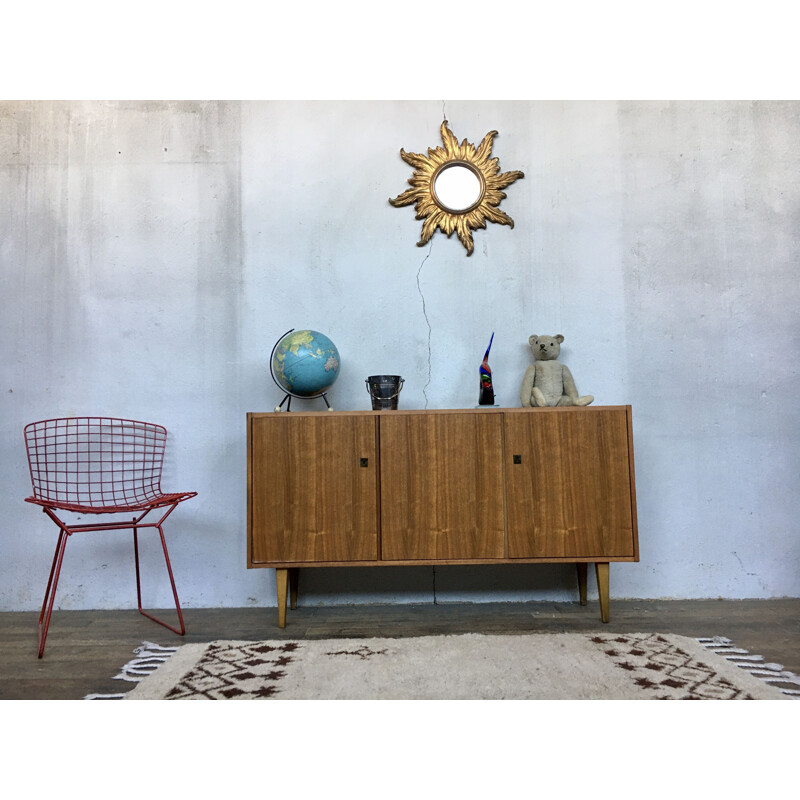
pixel 99 465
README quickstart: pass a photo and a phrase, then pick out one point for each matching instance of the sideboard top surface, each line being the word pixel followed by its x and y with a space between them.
pixel 413 411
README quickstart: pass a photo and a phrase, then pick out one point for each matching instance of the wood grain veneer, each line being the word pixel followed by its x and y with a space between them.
pixel 310 498
pixel 442 487
pixel 571 493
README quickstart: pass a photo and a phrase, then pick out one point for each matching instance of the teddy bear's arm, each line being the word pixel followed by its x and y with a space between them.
pixel 527 386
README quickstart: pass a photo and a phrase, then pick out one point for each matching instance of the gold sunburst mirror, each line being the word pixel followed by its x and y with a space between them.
pixel 456 188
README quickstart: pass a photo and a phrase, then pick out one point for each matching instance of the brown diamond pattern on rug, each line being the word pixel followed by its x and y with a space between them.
pixel 362 652
pixel 664 668
pixel 245 671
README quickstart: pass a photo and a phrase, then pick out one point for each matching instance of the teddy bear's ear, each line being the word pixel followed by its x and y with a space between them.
pixel 532 340
pixel 559 337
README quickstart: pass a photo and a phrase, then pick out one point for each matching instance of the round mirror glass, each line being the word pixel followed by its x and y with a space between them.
pixel 457 188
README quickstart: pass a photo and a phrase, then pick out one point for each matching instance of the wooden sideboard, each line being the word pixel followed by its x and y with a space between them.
pixel 389 488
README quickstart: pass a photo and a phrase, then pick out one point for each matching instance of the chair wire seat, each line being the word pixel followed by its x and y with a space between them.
pixel 98 466
pixel 84 508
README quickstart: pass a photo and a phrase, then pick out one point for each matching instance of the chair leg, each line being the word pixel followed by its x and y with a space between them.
pixel 180 631
pixel 50 592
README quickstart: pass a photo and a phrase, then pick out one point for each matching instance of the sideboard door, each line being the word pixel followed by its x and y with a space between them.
pixel 569 483
pixel 313 488
pixel 442 486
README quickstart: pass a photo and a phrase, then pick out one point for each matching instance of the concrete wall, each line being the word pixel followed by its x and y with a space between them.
pixel 151 253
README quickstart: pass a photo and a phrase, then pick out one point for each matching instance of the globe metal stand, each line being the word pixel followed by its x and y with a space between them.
pixel 289 395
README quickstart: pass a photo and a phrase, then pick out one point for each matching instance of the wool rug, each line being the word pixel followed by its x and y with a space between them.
pixel 543 666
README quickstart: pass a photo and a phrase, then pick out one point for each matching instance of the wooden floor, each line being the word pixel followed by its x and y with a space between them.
pixel 85 649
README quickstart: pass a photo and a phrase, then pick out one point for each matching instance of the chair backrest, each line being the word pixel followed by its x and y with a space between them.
pixel 95 461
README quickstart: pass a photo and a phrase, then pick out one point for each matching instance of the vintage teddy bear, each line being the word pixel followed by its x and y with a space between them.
pixel 547 382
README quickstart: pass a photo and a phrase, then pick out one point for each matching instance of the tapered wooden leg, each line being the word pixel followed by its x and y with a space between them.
pixel 601 570
pixel 582 573
pixel 282 578
pixel 294 576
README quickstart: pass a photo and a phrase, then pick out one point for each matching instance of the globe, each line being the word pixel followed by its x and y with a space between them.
pixel 305 363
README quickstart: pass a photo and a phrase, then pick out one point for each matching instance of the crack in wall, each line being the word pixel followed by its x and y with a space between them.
pixel 424 306
pixel 427 322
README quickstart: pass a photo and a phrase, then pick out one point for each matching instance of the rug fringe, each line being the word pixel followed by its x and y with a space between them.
pixel 771 673
pixel 149 657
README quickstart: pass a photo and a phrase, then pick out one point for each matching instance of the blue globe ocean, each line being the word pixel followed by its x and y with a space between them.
pixel 305 363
